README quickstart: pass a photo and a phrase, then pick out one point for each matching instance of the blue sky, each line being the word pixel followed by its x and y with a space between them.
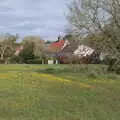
pixel 45 18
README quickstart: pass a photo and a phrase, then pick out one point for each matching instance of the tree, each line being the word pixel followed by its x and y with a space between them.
pixel 7 46
pixel 33 47
pixel 100 20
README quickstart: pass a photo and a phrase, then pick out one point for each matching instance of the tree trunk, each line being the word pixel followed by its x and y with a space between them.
pixel 2 54
pixel 1 57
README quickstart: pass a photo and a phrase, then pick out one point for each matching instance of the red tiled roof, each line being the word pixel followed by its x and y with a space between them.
pixel 57 45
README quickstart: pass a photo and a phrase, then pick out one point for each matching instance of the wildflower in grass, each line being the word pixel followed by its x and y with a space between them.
pixel 63 80
pixel 6 75
pixel 85 85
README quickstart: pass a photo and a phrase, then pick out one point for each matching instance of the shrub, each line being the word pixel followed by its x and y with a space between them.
pixel 114 66
pixel 34 61
pixel 16 59
pixel 2 61
pixel 92 74
pixel 49 70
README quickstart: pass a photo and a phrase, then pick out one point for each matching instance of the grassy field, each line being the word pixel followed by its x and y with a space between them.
pixel 55 92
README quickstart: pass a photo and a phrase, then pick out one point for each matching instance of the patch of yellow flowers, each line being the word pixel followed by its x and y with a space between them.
pixel 5 75
pixel 63 80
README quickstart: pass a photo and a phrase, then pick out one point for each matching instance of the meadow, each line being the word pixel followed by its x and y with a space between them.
pixel 58 92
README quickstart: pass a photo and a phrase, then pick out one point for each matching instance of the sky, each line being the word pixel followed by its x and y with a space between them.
pixel 45 18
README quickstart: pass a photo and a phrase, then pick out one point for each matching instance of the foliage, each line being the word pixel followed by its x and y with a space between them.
pixel 38 45
pixel 16 59
pixel 7 47
pixel 33 49
pixel 28 52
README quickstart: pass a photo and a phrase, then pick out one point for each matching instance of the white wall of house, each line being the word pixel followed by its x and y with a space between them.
pixel 50 62
pixel 83 51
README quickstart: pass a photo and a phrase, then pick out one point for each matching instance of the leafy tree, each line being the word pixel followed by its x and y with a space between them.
pixel 28 52
pixel 33 47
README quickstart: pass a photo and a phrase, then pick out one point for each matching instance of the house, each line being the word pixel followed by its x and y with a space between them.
pixel 66 51
pixel 83 51
pixel 64 56
pixel 86 54
pixel 55 47
pixel 73 52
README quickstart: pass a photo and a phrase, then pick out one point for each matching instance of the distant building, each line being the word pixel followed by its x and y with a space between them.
pixel 65 51
pixel 56 46
pixel 83 51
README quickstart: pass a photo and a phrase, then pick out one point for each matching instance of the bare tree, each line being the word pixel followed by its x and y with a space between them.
pixel 98 18
pixel 7 44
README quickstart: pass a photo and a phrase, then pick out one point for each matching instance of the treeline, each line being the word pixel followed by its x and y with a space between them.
pixel 30 50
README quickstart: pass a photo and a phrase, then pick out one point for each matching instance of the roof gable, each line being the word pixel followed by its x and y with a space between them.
pixel 56 46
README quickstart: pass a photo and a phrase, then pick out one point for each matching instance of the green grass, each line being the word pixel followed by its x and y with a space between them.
pixel 58 92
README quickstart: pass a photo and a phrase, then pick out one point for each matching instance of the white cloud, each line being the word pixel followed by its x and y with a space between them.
pixel 38 17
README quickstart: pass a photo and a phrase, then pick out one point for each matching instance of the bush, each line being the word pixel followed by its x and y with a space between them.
pixel 36 61
pixel 16 59
pixel 114 66
pixel 92 74
pixel 49 70
pixel 2 61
